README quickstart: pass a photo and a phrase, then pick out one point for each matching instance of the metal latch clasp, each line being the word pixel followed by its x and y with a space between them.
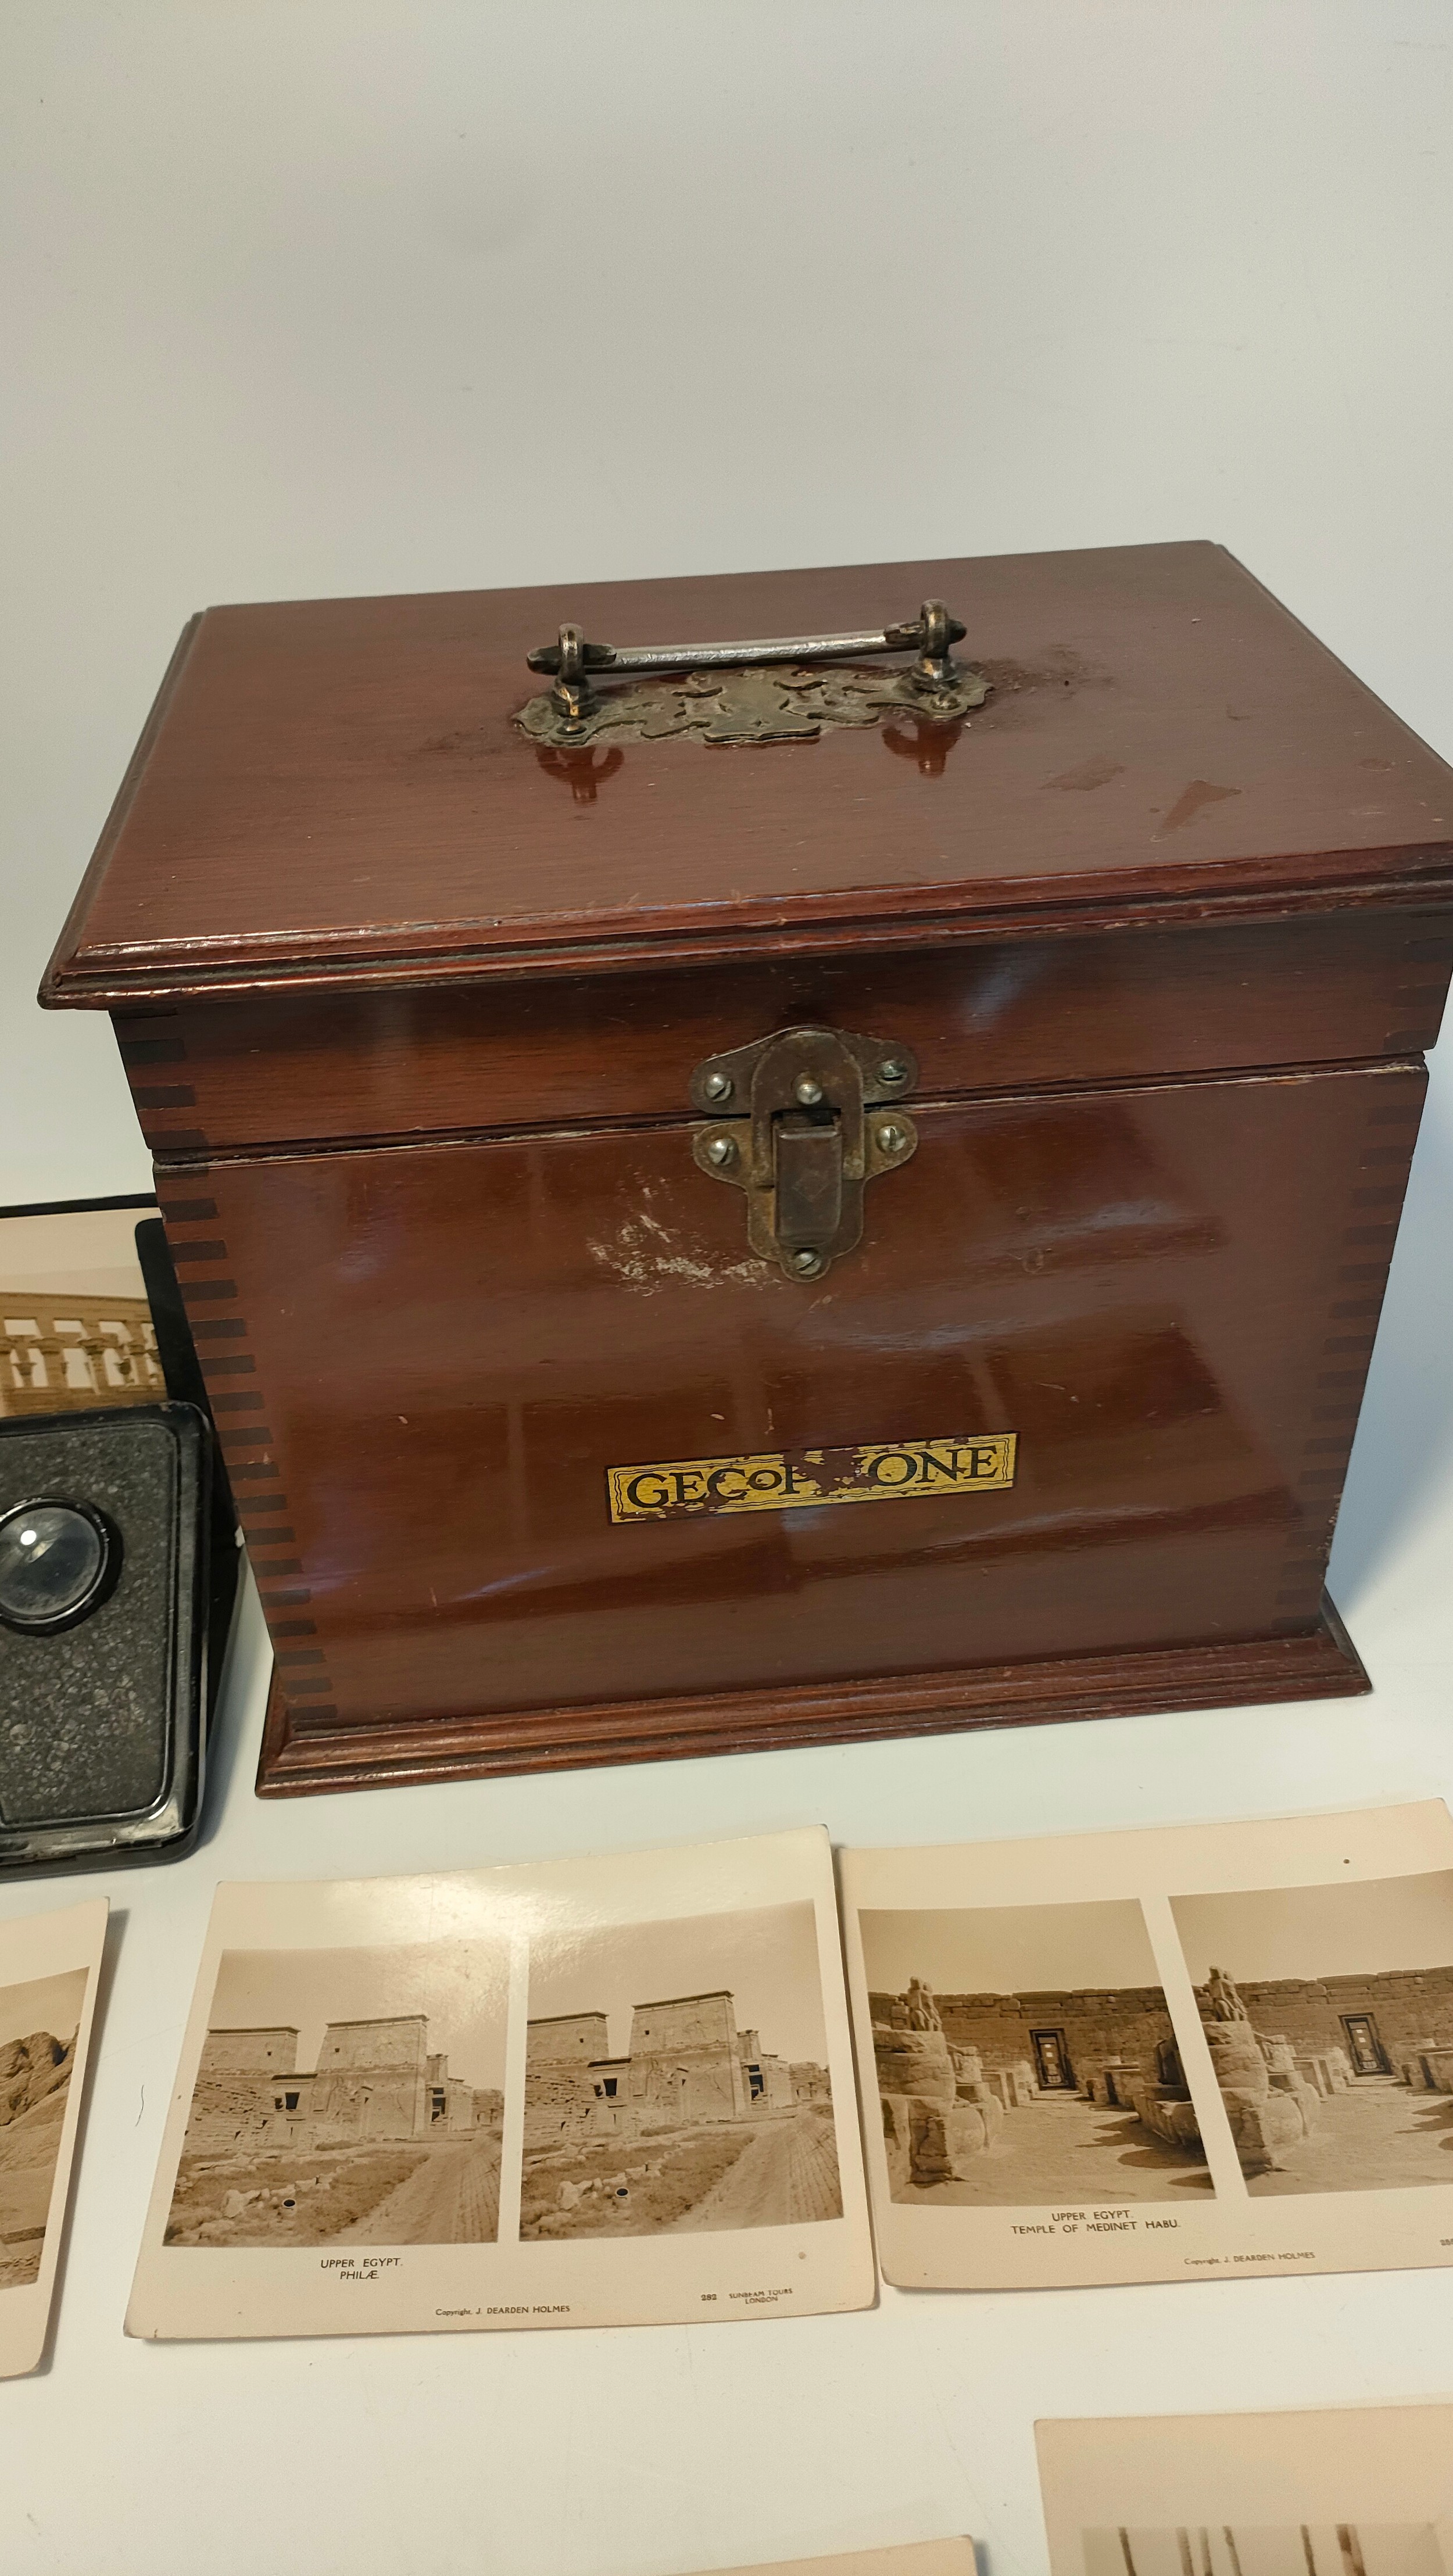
pixel 802 1121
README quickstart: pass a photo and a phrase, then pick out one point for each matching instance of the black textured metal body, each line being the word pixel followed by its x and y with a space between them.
pixel 103 1726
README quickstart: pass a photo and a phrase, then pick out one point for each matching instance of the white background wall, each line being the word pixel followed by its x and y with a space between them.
pixel 306 297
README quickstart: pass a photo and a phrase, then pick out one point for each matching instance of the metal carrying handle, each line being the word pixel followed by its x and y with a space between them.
pixel 929 635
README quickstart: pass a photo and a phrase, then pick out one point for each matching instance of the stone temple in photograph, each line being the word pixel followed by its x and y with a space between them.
pixel 373 2080
pixel 954 2069
pixel 1289 2051
pixel 687 2063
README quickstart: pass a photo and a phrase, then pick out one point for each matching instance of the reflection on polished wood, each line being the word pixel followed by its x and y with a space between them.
pixel 409 1007
pixel 996 1019
pixel 341 785
pixel 1181 1357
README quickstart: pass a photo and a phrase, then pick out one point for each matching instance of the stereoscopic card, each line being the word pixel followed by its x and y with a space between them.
pixel 49 1964
pixel 1178 2055
pixel 597 2092
pixel 1348 2491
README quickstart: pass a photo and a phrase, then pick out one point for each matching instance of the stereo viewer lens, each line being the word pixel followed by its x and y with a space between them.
pixel 54 1561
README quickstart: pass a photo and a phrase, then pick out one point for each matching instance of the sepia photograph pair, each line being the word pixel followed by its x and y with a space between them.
pixel 1028 2054
pixel 675 2079
pixel 1120 2056
pixel 605 2091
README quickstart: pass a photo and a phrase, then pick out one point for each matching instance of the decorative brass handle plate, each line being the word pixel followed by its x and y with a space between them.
pixel 803 1120
pixel 715 691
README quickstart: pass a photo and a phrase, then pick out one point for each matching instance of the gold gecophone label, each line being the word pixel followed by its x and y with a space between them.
pixel 787 1480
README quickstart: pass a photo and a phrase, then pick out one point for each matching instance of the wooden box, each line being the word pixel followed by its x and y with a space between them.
pixel 1108 993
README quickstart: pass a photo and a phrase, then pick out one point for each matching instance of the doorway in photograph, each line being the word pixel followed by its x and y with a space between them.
pixel 988 2102
pixel 1364 2047
pixel 1328 2013
pixel 348 2097
pixel 1052 2062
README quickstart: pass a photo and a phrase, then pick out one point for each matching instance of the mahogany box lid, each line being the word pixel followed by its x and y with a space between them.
pixel 339 789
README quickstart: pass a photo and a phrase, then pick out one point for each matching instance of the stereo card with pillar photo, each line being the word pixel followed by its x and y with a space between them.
pixel 609 2091
pixel 76 1328
pixel 1112 2057
pixel 49 1966
pixel 1349 2491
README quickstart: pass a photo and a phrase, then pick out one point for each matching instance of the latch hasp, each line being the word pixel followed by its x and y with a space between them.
pixel 801 1123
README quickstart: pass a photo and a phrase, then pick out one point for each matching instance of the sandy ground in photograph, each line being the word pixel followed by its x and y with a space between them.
pixel 1379 2136
pixel 1066 2150
pixel 775 2170
pixel 29 2147
pixel 429 2192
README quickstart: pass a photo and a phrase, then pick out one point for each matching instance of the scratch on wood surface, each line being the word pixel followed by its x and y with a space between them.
pixel 644 1255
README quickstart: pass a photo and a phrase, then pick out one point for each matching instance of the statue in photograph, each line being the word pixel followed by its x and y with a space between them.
pixel 922 2010
pixel 1223 2003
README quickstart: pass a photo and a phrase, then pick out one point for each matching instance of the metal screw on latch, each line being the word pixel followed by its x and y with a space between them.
pixel 808 1091
pixel 807 1263
pixel 718 1086
pixel 891 1137
pixel 893 1071
pixel 722 1152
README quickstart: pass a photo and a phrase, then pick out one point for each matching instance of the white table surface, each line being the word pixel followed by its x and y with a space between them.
pixel 650 2450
